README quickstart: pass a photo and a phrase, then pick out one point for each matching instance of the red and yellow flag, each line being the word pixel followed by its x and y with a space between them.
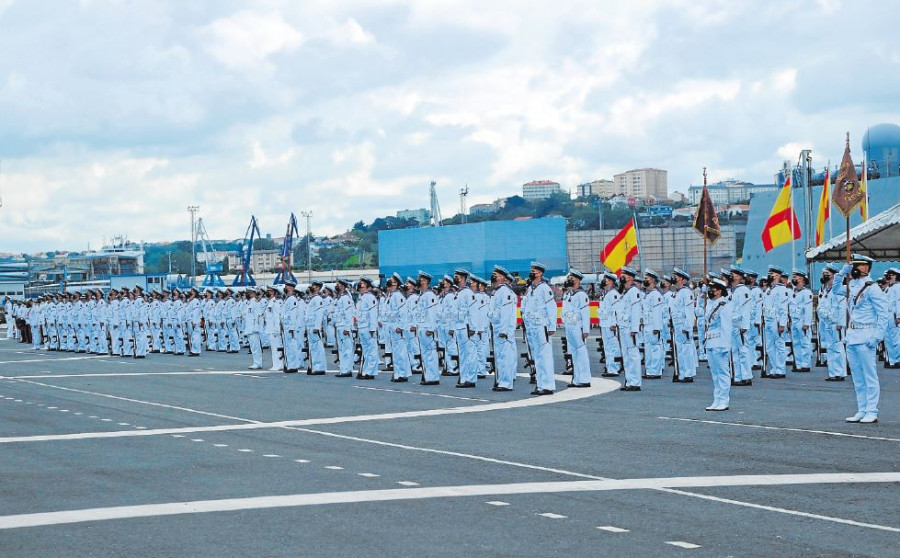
pixel 621 249
pixel 782 226
pixel 824 209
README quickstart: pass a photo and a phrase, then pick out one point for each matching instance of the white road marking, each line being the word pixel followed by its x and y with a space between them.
pixel 106 420
pixel 271 455
pixel 126 374
pixel 196 439
pixel 151 403
pixel 53 408
pixel 301 461
pixel 598 387
pixel 299 500
pixel 782 510
pixel 682 544
pixel 611 529
pixel 422 393
pixel 408 483
pixel 245 450
pixel 368 475
pixel 123 424
pixel 17 400
pixel 334 467
pixel 785 428
pixel 141 427
pixel 552 516
pixel 52 359
pixel 178 436
pixel 221 445
pixel 497 503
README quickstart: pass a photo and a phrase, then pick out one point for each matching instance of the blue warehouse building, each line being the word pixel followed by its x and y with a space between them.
pixel 477 247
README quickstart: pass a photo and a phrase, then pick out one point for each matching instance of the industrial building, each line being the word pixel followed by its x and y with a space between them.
pixel 477 247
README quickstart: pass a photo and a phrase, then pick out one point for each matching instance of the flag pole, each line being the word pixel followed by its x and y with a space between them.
pixel 705 229
pixel 791 219
pixel 637 235
pixel 830 227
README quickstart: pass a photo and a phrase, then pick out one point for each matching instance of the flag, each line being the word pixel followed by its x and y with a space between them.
pixel 621 249
pixel 848 193
pixel 824 209
pixel 864 206
pixel 706 222
pixel 782 225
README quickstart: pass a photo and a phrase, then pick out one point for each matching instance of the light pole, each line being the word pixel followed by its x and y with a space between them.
pixel 308 215
pixel 192 209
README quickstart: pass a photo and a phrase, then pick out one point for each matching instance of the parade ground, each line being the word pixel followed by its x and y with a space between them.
pixel 174 456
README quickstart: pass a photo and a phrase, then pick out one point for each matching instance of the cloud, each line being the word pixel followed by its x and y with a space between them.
pixel 117 117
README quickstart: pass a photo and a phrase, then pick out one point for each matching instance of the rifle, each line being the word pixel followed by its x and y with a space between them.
pixel 675 364
pixel 527 355
pixel 765 353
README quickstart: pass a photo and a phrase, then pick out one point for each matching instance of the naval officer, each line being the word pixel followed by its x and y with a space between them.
pixel 718 340
pixel 539 316
pixel 503 321
pixel 832 313
pixel 577 319
pixel 653 309
pixel 892 334
pixel 775 313
pixel 800 310
pixel 868 321
pixel 628 311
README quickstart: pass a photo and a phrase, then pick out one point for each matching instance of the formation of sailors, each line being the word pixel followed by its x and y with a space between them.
pixel 464 326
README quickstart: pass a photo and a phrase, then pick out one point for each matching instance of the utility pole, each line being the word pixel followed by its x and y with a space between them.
pixel 308 215
pixel 192 209
pixel 463 192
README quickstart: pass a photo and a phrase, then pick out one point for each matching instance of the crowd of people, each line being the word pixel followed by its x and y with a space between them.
pixel 464 326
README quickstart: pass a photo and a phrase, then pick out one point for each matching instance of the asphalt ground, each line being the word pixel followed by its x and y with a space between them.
pixel 175 456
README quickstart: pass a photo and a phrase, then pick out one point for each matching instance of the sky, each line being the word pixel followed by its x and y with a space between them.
pixel 116 116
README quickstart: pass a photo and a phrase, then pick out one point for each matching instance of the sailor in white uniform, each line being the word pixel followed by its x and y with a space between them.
pixel 718 339
pixel 577 320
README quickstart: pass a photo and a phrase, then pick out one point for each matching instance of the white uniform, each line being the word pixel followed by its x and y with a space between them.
pixel 718 337
pixel 577 319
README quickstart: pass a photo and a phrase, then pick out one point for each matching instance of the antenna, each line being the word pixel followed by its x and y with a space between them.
pixel 193 209
pixel 463 192
pixel 435 206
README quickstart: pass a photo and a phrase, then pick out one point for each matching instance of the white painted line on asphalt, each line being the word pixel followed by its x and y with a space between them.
pixel 53 359
pixel 682 544
pixel 245 450
pixel 135 374
pixel 301 461
pixel 553 516
pixel 221 445
pixel 106 420
pixel 271 455
pixel 53 408
pixel 334 467
pixel 17 400
pixel 497 503
pixel 196 439
pixel 422 393
pixel 299 500
pixel 123 424
pixel 368 475
pixel 408 483
pixel 782 510
pixel 178 436
pixel 151 403
pixel 611 529
pixel 141 427
pixel 784 428
pixel 598 387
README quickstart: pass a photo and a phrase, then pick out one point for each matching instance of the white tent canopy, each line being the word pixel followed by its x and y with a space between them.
pixel 879 238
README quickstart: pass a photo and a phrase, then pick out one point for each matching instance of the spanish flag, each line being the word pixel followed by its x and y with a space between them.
pixel 621 249
pixel 824 209
pixel 782 225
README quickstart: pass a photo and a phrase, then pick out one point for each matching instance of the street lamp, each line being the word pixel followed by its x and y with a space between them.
pixel 192 209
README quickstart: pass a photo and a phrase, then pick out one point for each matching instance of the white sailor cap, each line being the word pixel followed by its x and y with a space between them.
pixel 681 273
pixel 575 273
pixel 649 272
pixel 860 259
pixel 538 265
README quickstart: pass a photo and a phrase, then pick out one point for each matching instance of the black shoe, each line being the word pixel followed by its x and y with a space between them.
pixel 291 371
pixel 834 379
pixel 651 377
pixel 574 385
pixel 449 373
pixel 498 388
pixel 430 383
pixel 365 377
pixel 193 354
pixel 685 380
pixel 802 370
pixel 344 375
pixel 542 392
pixel 315 372
pixel 399 380
pixel 744 383
pixel 482 376
pixel 416 370
pixel 466 385
pixel 139 356
pixel 609 375
pixel 630 388
pixel 776 376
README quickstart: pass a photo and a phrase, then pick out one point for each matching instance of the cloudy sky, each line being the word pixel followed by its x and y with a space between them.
pixel 116 115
